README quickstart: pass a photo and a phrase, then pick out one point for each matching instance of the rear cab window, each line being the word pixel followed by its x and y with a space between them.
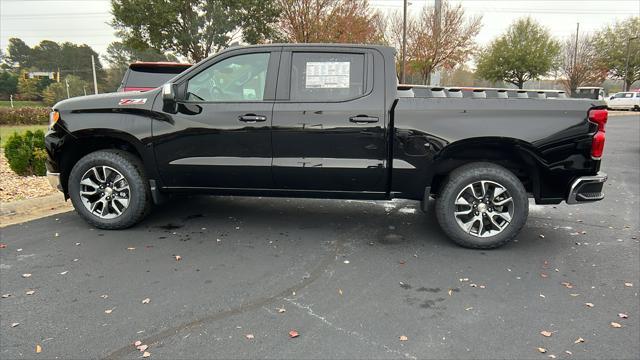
pixel 151 76
pixel 327 77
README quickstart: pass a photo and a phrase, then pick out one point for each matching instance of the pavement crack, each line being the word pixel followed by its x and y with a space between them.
pixel 361 337
pixel 253 305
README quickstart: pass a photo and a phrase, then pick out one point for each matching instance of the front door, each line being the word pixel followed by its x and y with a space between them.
pixel 221 135
pixel 329 122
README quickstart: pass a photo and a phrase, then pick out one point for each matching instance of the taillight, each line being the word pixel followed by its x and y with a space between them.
pixel 597 145
pixel 599 117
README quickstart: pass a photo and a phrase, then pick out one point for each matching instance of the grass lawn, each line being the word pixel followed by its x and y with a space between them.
pixel 17 104
pixel 7 130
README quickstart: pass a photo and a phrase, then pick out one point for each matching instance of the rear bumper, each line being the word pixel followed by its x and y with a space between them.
pixel 587 189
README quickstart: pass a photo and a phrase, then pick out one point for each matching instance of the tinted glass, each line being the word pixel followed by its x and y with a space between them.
pixel 239 78
pixel 326 76
pixel 152 76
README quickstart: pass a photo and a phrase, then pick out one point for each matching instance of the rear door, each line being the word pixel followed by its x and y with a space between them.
pixel 221 135
pixel 329 122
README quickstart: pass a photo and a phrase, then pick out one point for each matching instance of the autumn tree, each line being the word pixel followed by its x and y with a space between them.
pixel 193 28
pixel 440 38
pixel 612 42
pixel 525 52
pixel 330 21
pixel 580 66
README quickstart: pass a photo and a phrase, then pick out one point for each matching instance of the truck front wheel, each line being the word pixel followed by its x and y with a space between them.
pixel 109 190
pixel 482 206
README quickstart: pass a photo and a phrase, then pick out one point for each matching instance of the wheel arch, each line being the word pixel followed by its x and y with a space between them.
pixel 84 142
pixel 515 155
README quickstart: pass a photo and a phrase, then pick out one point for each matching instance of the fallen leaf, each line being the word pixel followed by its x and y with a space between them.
pixel 544 275
pixel 146 301
pixel 542 296
pixel 178 257
pixel 473 285
pixel 38 349
pixel 142 347
pixel 131 248
pixel 589 304
pixel 64 272
pixel 568 285
pixel 30 292
pixel 542 350
pixel 541 236
pixel 546 333
pixel 552 356
pixel 340 291
pixel 623 316
pixel 56 235
pixel 104 296
pixel 4 296
pixel 482 286
pixel 3 245
pixel 574 295
pixel 137 343
pixel 469 308
pixel 615 325
pixel 249 336
pixel 579 340
pixel 628 284
pixel 568 352
pixel 403 338
pixel 26 275
pixel 450 292
pixel 15 324
pixel 146 354
pixel 293 334
pixel 108 311
pixel 346 261
pixel 281 310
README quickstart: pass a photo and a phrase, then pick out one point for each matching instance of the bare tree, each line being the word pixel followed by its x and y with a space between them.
pixel 333 21
pixel 441 41
pixel 580 65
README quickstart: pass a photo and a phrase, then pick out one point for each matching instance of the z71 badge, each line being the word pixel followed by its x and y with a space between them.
pixel 132 101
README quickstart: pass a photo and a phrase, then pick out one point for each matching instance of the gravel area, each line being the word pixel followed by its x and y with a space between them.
pixel 15 187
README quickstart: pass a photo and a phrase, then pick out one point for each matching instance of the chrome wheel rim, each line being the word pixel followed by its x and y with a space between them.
pixel 484 208
pixel 105 192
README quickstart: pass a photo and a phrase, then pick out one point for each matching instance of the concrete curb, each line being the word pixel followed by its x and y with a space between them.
pixel 30 209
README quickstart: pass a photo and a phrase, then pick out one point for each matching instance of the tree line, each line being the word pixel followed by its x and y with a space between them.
pixel 441 39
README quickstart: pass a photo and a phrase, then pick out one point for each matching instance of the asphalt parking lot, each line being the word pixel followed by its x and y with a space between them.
pixel 351 277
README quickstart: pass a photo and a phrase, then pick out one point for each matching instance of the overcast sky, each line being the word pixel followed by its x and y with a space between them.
pixel 86 21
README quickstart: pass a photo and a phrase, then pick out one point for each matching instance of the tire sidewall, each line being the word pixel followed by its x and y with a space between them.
pixel 468 175
pixel 137 197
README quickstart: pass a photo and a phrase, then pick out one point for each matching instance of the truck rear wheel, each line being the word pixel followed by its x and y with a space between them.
pixel 482 206
pixel 109 190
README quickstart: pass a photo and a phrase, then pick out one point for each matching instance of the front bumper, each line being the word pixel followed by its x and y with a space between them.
pixel 587 189
pixel 54 180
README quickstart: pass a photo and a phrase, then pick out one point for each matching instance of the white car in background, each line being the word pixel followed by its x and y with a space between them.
pixel 624 101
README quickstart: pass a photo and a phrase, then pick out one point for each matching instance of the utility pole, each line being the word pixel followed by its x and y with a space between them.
pixel 404 42
pixel 575 58
pixel 626 66
pixel 95 82
pixel 435 77
pixel 67 83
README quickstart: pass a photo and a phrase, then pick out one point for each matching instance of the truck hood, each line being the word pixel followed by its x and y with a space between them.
pixel 117 100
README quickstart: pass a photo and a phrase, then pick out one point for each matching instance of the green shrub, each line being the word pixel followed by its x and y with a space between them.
pixel 24 116
pixel 26 153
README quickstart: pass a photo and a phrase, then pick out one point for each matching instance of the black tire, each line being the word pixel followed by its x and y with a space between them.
pixel 468 174
pixel 132 169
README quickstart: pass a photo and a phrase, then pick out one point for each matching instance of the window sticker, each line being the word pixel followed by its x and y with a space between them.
pixel 328 75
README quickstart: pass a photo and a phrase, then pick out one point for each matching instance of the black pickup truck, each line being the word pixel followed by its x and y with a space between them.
pixel 327 121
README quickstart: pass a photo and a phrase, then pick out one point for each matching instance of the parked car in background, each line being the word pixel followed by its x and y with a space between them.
pixel 145 76
pixel 625 101
pixel 590 92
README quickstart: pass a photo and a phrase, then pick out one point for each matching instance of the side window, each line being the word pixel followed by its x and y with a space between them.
pixel 326 76
pixel 238 78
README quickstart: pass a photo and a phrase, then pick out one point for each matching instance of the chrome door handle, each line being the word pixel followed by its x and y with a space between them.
pixel 252 118
pixel 363 119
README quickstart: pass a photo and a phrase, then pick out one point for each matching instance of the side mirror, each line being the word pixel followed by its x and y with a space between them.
pixel 169 98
